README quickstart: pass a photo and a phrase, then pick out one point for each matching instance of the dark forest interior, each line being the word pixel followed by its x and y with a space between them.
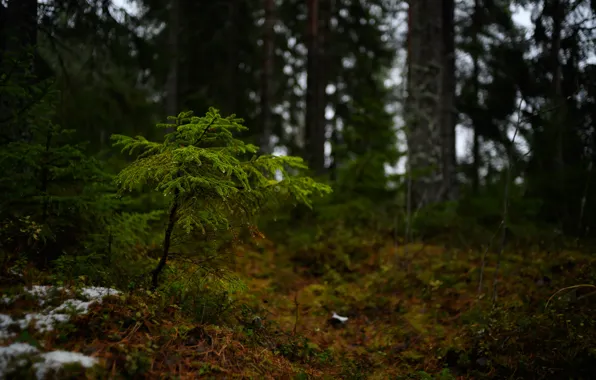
pixel 334 189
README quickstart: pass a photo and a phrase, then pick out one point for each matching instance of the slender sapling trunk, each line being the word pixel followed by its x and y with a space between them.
pixel 166 242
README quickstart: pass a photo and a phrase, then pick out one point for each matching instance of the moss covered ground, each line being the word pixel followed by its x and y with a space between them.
pixel 413 311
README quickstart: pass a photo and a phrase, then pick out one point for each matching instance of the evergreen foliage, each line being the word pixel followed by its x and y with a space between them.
pixel 47 180
pixel 199 167
pixel 57 204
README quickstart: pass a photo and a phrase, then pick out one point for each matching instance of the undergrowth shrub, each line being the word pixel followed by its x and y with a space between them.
pixel 344 228
pixel 58 207
pixel 549 339
pixel 333 234
pixel 206 295
pixel 475 219
pixel 49 187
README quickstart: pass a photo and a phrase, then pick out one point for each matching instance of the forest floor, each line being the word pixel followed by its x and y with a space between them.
pixel 408 309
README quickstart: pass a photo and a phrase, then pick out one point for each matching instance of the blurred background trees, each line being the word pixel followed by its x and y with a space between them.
pixel 355 87
pixel 419 114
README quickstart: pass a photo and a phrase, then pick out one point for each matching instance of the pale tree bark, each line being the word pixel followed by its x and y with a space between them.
pixel 267 76
pixel 424 110
pixel 430 113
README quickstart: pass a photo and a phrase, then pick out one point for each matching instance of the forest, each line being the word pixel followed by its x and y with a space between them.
pixel 318 189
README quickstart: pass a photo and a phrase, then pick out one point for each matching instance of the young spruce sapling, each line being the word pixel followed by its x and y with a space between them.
pixel 202 168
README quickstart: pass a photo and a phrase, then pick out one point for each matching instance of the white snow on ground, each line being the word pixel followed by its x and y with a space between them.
pixel 42 292
pixel 8 355
pixel 7 300
pixel 5 322
pixel 13 356
pixel 97 292
pixel 46 320
pixel 56 359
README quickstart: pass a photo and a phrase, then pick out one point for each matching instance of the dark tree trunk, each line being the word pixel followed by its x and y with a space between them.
pixel 475 78
pixel 172 84
pixel 449 119
pixel 322 81
pixel 558 121
pixel 167 241
pixel 315 93
pixel 233 45
pixel 267 76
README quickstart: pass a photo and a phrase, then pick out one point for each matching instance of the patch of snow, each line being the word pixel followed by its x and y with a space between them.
pixel 76 306
pixel 98 292
pixel 11 357
pixel 38 290
pixel 5 322
pixel 48 361
pixel 41 292
pixel 16 349
pixel 43 322
pixel 56 359
pixel 7 300
pixel 10 354
pixel 48 318
pixel 15 272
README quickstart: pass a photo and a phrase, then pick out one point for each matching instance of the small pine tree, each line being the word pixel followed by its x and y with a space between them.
pixel 200 167
pixel 49 185
pixel 55 200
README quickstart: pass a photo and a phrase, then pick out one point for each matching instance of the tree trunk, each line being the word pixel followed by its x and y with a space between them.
pixel 476 84
pixel 267 76
pixel 333 167
pixel 172 85
pixel 233 62
pixel 167 241
pixel 449 119
pixel 424 111
pixel 558 120
pixel 475 160
pixel 322 81
pixel 315 93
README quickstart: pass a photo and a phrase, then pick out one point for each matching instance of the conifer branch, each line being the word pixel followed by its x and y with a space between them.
pixel 205 130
